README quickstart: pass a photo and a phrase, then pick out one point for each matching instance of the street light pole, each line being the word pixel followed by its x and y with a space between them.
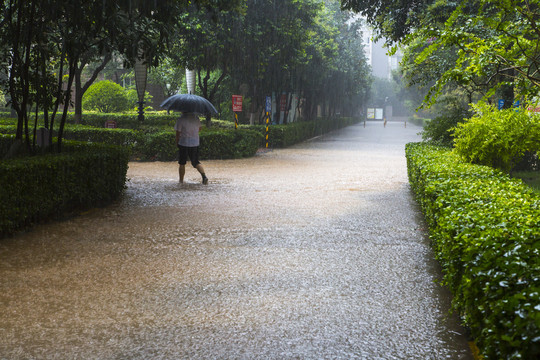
pixel 141 72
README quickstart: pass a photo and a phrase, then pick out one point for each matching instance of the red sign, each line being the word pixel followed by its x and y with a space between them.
pixel 236 103
pixel 110 124
pixel 283 102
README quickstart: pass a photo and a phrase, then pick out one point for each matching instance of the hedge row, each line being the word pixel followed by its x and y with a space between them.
pixel 281 136
pixel 127 121
pixel 38 188
pixel 485 229
pixel 217 142
pixel 214 144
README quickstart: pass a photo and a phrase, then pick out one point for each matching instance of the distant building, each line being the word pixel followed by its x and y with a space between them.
pixel 382 65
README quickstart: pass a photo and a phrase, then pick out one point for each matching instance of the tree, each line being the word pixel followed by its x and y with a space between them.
pixel 274 37
pixel 45 40
pixel 493 44
pixel 27 51
pixel 256 50
pixel 507 50
pixel 168 75
pixel 310 48
pixel 80 88
pixel 205 44
pixel 349 80
pixel 394 19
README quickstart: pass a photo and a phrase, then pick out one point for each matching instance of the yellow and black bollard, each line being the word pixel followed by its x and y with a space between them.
pixel 267 128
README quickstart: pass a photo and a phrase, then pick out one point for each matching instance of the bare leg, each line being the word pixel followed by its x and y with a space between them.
pixel 201 171
pixel 181 172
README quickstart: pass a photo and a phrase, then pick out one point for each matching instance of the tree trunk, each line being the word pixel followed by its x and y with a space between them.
pixel 208 93
pixel 67 98
pixel 80 89
pixel 78 96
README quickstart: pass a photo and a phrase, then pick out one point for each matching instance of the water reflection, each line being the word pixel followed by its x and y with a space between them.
pixel 316 251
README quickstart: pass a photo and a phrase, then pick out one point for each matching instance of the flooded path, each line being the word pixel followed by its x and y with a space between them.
pixel 312 252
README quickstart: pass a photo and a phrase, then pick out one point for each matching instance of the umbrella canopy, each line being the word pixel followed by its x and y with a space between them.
pixel 189 103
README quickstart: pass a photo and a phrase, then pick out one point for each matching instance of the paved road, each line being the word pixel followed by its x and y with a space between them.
pixel 312 252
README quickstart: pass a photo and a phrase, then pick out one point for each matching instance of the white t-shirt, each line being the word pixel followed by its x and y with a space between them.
pixel 188 124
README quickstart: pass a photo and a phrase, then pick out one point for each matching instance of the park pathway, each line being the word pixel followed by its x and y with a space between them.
pixel 317 251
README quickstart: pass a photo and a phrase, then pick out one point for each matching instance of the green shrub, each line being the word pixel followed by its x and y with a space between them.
pixel 8 129
pixel 5 143
pixel 129 120
pixel 498 138
pixel 214 144
pixel 133 100
pixel 38 188
pixel 485 229
pixel 422 122
pixel 247 142
pixel 90 134
pixel 106 96
pixel 229 144
pixel 293 133
pixel 8 121
pixel 158 146
pixel 154 140
pixel 438 130
pixel 449 110
pixel 124 137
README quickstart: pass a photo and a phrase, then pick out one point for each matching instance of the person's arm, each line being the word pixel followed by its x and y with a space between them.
pixel 177 136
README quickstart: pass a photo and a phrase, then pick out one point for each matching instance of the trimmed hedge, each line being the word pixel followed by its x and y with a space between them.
pixel 8 129
pixel 281 136
pixel 485 229
pixel 215 144
pixel 127 120
pixel 38 188
pixel 124 137
pixel 218 142
pixel 5 143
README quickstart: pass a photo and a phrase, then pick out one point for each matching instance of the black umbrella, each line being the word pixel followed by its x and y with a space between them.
pixel 189 103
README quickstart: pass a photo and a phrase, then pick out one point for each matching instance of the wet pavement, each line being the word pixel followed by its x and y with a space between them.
pixel 313 252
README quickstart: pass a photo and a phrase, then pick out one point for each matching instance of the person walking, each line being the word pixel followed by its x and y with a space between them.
pixel 187 129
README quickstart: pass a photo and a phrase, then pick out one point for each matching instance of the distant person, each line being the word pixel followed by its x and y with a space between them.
pixel 187 138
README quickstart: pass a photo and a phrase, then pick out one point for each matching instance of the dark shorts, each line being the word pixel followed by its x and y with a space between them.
pixel 191 151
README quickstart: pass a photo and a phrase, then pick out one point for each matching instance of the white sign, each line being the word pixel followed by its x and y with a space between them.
pixel 379 113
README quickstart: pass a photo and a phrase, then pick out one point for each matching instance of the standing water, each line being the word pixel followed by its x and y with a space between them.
pixel 313 252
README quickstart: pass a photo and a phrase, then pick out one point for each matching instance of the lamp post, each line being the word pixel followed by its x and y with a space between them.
pixel 140 82
pixel 168 93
